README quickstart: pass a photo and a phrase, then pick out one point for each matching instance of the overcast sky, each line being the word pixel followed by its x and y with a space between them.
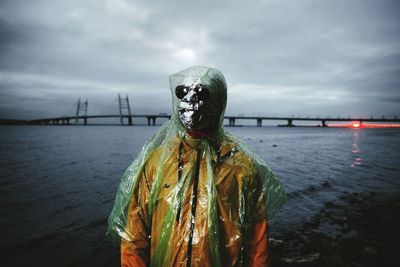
pixel 279 57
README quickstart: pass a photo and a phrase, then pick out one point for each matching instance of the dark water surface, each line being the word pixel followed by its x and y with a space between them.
pixel 58 183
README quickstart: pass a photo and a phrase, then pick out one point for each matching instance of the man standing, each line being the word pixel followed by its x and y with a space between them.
pixel 195 195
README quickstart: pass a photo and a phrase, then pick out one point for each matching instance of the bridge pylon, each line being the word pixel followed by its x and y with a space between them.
pixel 123 103
pixel 81 107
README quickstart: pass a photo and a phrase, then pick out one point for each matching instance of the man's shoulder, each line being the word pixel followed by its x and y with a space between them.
pixel 232 152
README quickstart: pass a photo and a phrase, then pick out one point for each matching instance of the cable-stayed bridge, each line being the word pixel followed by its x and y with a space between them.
pixel 81 117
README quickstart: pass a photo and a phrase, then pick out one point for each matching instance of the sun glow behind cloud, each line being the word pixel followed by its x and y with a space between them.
pixel 186 55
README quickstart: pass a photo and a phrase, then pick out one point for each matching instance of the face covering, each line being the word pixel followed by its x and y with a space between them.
pixel 193 111
pixel 199 99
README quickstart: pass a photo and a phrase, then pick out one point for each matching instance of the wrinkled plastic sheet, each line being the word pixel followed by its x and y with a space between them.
pixel 196 199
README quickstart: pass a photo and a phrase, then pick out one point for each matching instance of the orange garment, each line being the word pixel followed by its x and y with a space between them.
pixel 232 175
pixel 259 245
pixel 129 258
pixel 259 250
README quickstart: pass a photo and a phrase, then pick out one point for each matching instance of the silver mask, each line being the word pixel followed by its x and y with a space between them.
pixel 192 108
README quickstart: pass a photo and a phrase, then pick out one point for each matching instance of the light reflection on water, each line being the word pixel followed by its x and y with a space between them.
pixel 355 148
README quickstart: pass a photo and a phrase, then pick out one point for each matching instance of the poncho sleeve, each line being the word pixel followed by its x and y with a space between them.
pixel 135 247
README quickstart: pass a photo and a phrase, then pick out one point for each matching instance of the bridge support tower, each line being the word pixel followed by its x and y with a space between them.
pixel 81 107
pixel 123 103
pixel 151 120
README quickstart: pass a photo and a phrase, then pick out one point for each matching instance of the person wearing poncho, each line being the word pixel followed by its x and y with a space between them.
pixel 195 195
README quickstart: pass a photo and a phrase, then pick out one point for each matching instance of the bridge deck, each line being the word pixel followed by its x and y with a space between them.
pixel 155 116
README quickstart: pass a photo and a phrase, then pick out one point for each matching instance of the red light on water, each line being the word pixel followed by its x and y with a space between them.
pixel 357 125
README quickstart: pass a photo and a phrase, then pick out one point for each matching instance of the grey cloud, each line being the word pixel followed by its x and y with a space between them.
pixel 310 57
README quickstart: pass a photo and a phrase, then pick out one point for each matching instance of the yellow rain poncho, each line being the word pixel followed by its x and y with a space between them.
pixel 195 195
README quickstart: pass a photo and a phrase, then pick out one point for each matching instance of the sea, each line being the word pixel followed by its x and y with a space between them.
pixel 58 183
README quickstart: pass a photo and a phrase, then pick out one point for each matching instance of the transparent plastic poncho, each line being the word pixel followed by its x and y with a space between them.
pixel 196 199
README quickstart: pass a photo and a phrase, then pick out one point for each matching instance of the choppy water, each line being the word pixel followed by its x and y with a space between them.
pixel 58 183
